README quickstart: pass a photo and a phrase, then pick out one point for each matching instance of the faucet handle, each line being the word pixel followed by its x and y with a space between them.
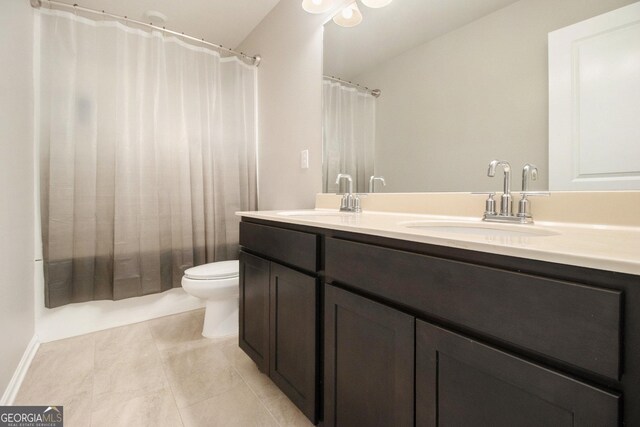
pixel 490 203
pixel 357 208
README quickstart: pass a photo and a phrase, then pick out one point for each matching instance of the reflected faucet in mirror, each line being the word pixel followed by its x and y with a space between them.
pixel 350 202
pixel 372 183
pixel 529 173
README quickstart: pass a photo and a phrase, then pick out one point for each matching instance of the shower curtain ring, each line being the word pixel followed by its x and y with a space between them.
pixel 75 10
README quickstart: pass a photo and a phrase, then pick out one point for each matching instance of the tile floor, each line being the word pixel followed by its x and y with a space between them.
pixel 156 373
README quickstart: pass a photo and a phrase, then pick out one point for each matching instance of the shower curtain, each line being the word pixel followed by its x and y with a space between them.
pixel 147 147
pixel 349 121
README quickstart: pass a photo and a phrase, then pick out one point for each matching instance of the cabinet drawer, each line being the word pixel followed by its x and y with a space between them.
pixel 291 247
pixel 573 323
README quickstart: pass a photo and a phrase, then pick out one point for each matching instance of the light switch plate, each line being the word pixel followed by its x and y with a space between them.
pixel 304 159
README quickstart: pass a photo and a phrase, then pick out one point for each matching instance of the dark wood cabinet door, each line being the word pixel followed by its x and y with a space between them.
pixel 293 351
pixel 461 382
pixel 254 309
pixel 368 362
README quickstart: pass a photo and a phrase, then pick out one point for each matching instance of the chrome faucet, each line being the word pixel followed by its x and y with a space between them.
pixel 350 202
pixel 529 173
pixel 506 201
pixel 372 181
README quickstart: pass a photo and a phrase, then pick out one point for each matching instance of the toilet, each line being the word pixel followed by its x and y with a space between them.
pixel 217 284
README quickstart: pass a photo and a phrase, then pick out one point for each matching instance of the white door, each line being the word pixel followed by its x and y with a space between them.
pixel 594 103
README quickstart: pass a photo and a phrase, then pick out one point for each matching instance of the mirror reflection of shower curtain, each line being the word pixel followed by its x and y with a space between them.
pixel 147 149
pixel 349 118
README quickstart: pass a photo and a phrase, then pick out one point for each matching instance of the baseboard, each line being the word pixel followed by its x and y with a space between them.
pixel 13 387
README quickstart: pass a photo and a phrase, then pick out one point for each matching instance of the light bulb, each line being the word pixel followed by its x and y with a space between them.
pixel 317 6
pixel 376 3
pixel 350 16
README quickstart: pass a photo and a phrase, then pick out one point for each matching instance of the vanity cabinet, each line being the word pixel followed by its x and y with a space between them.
pixel 279 318
pixel 461 381
pixel 406 333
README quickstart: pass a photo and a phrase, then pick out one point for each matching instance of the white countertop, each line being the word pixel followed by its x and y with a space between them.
pixel 612 248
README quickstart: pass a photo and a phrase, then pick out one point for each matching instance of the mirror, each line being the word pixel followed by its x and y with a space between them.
pixel 462 82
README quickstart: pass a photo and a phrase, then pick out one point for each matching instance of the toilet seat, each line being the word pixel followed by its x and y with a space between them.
pixel 214 271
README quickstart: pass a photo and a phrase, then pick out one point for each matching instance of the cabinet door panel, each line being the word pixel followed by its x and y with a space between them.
pixel 461 382
pixel 369 362
pixel 293 364
pixel 254 309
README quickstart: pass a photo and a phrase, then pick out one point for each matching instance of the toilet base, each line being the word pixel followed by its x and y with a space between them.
pixel 221 318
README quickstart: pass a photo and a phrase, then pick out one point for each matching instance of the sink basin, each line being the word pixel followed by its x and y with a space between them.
pixel 312 213
pixel 481 228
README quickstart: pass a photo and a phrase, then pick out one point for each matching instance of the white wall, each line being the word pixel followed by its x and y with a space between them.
pixel 16 185
pixel 476 94
pixel 289 105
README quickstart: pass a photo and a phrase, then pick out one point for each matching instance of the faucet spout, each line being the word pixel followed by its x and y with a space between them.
pixel 507 173
pixel 372 181
pixel 506 204
pixel 349 181
pixel 529 172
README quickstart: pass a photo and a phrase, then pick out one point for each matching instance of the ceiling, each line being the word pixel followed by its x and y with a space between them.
pixel 225 22
pixel 387 32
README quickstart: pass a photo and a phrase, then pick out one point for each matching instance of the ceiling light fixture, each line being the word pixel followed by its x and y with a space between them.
pixel 350 16
pixel 317 6
pixel 155 17
pixel 376 3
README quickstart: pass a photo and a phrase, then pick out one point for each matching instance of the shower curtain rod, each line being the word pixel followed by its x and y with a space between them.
pixel 255 60
pixel 375 92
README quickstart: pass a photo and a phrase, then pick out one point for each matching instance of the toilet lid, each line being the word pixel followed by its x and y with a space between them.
pixel 214 270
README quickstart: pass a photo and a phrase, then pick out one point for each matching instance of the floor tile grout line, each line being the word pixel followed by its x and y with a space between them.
pixel 166 378
pixel 93 382
pixel 257 397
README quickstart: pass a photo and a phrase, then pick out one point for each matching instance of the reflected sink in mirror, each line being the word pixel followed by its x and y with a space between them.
pixel 481 229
